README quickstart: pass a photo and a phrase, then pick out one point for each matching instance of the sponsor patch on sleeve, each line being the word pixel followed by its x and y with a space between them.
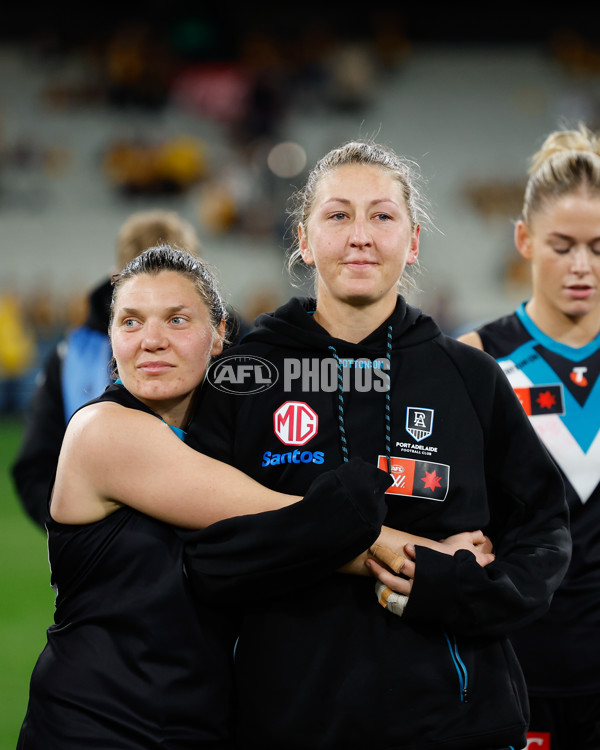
pixel 415 478
pixel 541 399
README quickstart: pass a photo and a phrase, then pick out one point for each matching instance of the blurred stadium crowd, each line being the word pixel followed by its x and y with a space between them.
pixel 241 69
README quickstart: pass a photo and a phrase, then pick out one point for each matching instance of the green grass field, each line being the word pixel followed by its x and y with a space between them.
pixel 26 599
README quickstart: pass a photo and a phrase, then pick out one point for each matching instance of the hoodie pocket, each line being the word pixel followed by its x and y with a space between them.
pixel 462 673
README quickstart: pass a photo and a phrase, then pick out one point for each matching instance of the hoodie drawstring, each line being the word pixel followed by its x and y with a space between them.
pixel 388 404
pixel 340 393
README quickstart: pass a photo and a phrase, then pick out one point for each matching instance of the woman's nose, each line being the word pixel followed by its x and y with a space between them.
pixel 360 234
pixel 580 259
pixel 154 336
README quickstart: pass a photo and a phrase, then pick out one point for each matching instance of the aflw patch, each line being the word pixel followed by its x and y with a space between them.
pixel 425 479
pixel 541 399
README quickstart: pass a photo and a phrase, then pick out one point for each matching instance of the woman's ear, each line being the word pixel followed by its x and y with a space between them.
pixel 219 338
pixel 305 250
pixel 413 250
pixel 523 239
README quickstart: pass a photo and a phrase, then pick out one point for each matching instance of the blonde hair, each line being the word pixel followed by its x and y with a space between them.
pixel 568 161
pixel 146 229
pixel 362 153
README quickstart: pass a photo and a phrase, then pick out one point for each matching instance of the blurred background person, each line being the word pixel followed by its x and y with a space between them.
pixel 550 350
pixel 17 351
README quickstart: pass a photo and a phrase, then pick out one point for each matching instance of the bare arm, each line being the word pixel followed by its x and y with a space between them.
pixel 113 456
pixel 472 338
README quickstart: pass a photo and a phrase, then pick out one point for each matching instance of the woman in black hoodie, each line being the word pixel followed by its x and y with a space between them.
pixel 358 372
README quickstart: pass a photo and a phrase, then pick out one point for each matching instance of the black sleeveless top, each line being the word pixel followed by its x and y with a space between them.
pixel 133 661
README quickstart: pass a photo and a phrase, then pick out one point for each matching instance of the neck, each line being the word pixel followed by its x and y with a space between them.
pixel 571 330
pixel 351 322
pixel 174 412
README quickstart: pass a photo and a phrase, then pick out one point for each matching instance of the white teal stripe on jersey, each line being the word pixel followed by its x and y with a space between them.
pixel 580 465
pixel 538 372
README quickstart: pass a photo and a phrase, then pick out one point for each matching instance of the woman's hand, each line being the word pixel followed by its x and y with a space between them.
pixel 473 541
pixel 398 574
pixel 388 548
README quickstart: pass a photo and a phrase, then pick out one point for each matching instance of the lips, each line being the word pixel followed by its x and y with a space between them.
pixel 359 264
pixel 580 291
pixel 155 368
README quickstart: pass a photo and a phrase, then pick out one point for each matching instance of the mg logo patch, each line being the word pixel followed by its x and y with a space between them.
pixel 539 740
pixel 295 423
pixel 419 422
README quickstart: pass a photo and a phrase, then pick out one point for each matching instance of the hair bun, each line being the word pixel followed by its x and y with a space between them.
pixel 561 141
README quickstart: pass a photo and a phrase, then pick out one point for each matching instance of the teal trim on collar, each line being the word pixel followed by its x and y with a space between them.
pixel 575 354
pixel 181 434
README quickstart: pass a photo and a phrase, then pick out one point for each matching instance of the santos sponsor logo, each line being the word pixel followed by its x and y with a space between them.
pixel 292 457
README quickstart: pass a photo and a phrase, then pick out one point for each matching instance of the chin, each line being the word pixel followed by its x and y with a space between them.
pixel 359 300
pixel 159 393
pixel 579 310
pixel 364 295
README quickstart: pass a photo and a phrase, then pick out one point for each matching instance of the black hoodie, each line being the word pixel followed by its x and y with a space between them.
pixel 328 667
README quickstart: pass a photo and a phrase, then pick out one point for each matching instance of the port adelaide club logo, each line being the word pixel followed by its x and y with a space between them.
pixel 242 375
pixel 419 422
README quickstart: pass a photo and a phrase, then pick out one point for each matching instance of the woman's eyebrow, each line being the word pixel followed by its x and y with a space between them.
pixel 346 201
pixel 134 310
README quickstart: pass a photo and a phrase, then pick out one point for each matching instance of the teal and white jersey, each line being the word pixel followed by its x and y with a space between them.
pixel 559 388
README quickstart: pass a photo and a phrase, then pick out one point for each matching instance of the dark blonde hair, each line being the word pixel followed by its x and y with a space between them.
pixel 568 161
pixel 145 229
pixel 358 152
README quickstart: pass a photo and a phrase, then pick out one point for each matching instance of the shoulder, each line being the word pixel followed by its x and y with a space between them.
pixel 472 338
pixel 104 437
pixel 108 424
pixel 102 443
pixel 500 337
pixel 84 452
pixel 465 349
pixel 479 371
